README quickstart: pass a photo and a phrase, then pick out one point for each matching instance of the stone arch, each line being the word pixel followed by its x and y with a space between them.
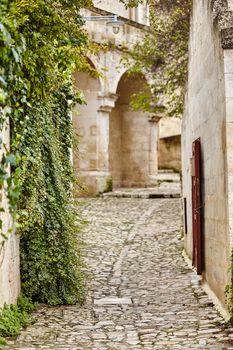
pixel 85 122
pixel 133 138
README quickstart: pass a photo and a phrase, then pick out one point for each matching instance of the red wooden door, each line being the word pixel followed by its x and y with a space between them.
pixel 197 206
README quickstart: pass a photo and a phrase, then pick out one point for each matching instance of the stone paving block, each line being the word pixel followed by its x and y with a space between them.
pixel 113 301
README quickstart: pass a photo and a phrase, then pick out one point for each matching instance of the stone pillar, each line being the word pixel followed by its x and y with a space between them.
pixel 103 176
pixel 153 148
pixel 91 124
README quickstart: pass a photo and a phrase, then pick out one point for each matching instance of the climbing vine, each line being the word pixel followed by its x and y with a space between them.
pixel 42 42
pixel 163 56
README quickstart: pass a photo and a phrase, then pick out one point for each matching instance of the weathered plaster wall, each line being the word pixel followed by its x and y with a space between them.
pixel 85 121
pixel 169 153
pixel 205 117
pixel 9 253
pixel 139 14
pixel 169 127
pixel 119 8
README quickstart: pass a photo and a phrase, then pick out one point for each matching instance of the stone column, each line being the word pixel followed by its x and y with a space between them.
pixel 153 148
pixel 106 104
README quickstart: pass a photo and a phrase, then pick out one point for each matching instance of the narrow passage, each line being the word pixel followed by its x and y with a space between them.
pixel 140 293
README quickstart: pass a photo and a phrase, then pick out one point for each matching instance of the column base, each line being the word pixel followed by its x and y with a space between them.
pixel 93 183
pixel 150 182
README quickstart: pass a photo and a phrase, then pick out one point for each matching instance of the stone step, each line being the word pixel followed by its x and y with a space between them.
pixel 165 190
pixel 141 195
pixel 162 171
pixel 168 176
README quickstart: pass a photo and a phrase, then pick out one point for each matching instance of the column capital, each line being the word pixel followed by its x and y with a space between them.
pixel 107 101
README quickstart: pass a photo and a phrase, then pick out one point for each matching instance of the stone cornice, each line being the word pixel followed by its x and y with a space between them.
pixel 224 19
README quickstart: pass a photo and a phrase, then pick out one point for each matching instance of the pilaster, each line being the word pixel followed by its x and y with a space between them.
pixel 153 148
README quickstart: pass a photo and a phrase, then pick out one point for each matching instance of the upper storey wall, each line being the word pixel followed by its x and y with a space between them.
pixel 139 14
pixel 107 5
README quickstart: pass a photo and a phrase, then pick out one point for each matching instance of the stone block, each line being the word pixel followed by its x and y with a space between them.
pixel 113 301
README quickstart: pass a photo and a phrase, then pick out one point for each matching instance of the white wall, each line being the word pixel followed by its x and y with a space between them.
pixel 116 8
pixel 205 117
pixel 9 251
pixel 139 14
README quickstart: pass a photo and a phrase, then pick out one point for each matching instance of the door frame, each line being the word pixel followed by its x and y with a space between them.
pixel 197 206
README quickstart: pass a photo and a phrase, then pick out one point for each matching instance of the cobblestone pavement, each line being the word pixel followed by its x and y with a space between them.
pixel 141 294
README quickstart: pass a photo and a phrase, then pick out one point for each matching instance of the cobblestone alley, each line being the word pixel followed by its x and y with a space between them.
pixel 141 294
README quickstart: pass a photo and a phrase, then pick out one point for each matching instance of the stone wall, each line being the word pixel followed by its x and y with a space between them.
pixel 139 14
pixel 119 8
pixel 9 252
pixel 85 121
pixel 135 148
pixel 169 126
pixel 205 117
pixel 169 153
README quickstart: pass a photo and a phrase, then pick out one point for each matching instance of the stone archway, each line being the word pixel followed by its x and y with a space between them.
pixel 133 138
pixel 85 122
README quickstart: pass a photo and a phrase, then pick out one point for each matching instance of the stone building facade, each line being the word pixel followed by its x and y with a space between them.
pixel 207 146
pixel 118 146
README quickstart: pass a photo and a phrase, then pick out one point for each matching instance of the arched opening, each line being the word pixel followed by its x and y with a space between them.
pixel 133 139
pixel 85 122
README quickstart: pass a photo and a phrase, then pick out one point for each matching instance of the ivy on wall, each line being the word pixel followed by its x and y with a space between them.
pixel 50 262
pixel 42 42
